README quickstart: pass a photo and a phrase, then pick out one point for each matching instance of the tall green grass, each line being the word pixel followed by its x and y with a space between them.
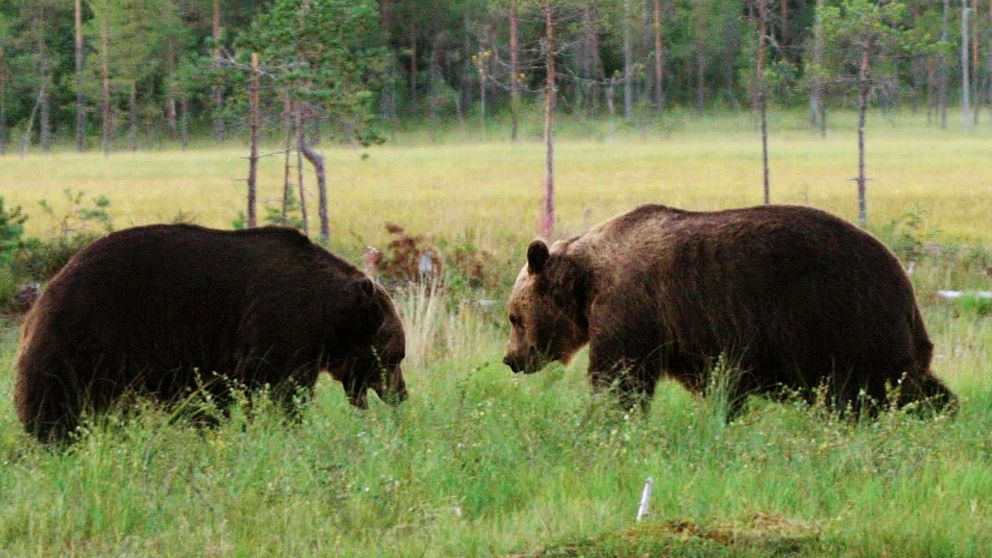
pixel 480 462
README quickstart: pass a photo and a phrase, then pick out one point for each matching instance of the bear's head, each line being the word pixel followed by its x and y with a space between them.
pixel 546 310
pixel 376 364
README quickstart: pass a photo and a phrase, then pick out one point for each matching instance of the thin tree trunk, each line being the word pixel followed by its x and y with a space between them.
pixel 700 81
pixel 105 74
pixel 762 104
pixel 317 160
pixel 170 95
pixel 514 69
pixel 80 100
pixel 184 122
pixel 483 60
pixel 942 86
pixel 966 117
pixel 700 32
pixel 463 98
pixel 595 69
pixel 287 128
pixel 45 123
pixel 785 22
pixel 931 89
pixel 435 72
pixel 132 110
pixel 816 92
pixel 823 117
pixel 611 94
pixel 974 61
pixel 628 65
pixel 988 65
pixel 387 101
pixel 863 75
pixel 299 170
pixel 548 217
pixel 3 104
pixel 413 67
pixel 216 91
pixel 252 142
pixel 659 60
pixel 26 138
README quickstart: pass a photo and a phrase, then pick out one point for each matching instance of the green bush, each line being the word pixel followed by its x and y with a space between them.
pixel 41 260
pixel 11 230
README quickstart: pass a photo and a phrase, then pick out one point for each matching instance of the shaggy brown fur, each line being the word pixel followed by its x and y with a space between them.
pixel 794 296
pixel 166 309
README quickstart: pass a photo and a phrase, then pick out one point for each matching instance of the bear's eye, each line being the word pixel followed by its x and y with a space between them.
pixel 516 321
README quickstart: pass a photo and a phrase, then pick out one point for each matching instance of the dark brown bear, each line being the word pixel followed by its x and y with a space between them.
pixel 794 296
pixel 166 309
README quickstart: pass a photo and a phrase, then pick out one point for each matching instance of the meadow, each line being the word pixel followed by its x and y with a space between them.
pixel 481 462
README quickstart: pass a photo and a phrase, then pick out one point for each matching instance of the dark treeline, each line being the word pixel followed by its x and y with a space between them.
pixel 124 72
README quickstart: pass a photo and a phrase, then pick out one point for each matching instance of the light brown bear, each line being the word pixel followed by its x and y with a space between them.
pixel 793 296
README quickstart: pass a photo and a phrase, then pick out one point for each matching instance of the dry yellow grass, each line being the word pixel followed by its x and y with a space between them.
pixel 491 191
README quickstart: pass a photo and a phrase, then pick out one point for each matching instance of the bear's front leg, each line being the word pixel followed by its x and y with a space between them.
pixel 630 376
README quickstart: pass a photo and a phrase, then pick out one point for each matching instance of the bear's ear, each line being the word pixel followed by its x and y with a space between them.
pixel 537 257
pixel 366 286
pixel 368 309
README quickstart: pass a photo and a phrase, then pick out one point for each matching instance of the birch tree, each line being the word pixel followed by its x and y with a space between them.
pixel 864 34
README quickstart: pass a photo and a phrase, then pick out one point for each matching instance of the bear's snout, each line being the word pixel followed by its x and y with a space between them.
pixel 507 360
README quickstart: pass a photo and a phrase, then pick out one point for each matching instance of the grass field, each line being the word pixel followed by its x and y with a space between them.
pixel 480 462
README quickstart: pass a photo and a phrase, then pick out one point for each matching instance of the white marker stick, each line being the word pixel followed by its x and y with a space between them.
pixel 642 510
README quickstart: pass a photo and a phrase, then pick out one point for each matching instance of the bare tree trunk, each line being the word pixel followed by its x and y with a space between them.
pixel 762 101
pixel 45 123
pixel 317 160
pixel 659 60
pixel 700 81
pixel 592 57
pixel 287 129
pixel 942 86
pixel 251 217
pixel 988 65
pixel 26 138
pixel 976 90
pixel 184 122
pixel 785 22
pixel 132 111
pixel 216 91
pixel 863 84
pixel 611 94
pixel 931 88
pixel 483 61
pixel 700 32
pixel 514 69
pixel 80 100
pixel 299 170
pixel 966 117
pixel 548 217
pixel 816 92
pixel 387 101
pixel 3 104
pixel 170 95
pixel 105 74
pixel 435 74
pixel 628 65
pixel 413 67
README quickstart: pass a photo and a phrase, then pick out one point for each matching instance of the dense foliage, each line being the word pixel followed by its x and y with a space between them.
pixel 156 69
